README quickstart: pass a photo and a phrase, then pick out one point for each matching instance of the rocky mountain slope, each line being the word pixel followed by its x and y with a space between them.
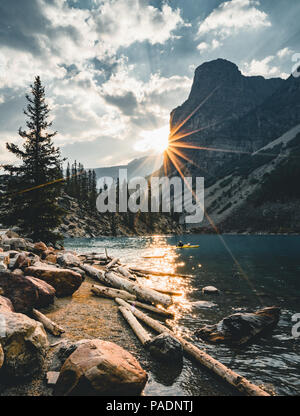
pixel 261 193
pixel 250 126
pixel 233 112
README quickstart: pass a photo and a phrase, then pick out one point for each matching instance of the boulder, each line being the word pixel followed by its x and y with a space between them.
pixel 203 304
pixel 24 343
pixel 15 243
pixel 99 368
pixel 19 272
pixel 68 260
pixel 22 292
pixel 63 350
pixel 210 290
pixel 51 258
pixel 5 258
pixel 21 261
pixel 166 348
pixel 11 234
pixel 6 305
pixel 64 281
pixel 40 247
pixel 240 328
pixel 46 292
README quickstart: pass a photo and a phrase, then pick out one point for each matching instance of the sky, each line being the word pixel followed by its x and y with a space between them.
pixel 114 69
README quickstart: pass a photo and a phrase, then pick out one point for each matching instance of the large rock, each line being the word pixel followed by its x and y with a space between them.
pixel 40 247
pixel 166 348
pixel 68 260
pixel 100 368
pixel 46 292
pixel 5 305
pixel 24 343
pixel 240 328
pixel 65 281
pixel 22 292
pixel 15 243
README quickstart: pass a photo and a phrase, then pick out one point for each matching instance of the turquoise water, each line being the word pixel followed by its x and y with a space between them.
pixel 250 271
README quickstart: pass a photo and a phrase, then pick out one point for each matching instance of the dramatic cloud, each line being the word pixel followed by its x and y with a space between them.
pixel 114 69
pixel 233 16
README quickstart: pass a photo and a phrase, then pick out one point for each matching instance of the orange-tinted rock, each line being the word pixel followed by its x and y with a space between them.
pixel 64 281
pixel 46 292
pixel 22 292
pixel 98 368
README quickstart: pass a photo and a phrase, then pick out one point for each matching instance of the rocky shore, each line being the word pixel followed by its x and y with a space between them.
pixel 32 360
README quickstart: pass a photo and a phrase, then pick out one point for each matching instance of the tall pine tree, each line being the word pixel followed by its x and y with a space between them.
pixel 36 183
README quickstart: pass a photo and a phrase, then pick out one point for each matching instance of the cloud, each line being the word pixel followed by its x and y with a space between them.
pixel 283 53
pixel 124 22
pixel 265 67
pixel 234 16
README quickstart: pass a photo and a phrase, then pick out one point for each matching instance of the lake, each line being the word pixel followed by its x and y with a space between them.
pixel 251 272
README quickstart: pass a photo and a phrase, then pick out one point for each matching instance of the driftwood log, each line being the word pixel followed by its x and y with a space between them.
pixel 51 326
pixel 142 293
pixel 240 328
pixel 91 271
pixel 125 272
pixel 236 380
pixel 162 312
pixel 112 263
pixel 118 282
pixel 137 328
pixel 109 292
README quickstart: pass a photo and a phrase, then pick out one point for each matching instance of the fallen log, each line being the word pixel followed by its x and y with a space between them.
pixel 51 326
pixel 112 263
pixel 137 328
pixel 142 293
pixel 150 308
pixel 109 292
pixel 236 380
pixel 156 273
pixel 113 280
pixel 125 272
pixel 91 271
pixel 240 328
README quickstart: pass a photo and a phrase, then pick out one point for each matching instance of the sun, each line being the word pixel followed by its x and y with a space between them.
pixel 154 140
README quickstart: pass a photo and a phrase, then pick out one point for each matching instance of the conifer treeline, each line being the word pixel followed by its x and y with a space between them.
pixel 81 184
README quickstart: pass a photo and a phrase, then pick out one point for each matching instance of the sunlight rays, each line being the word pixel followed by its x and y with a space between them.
pixel 172 156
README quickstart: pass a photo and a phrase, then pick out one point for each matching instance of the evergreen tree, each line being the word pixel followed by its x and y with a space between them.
pixel 36 183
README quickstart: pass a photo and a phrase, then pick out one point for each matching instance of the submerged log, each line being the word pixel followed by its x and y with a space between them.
pixel 156 273
pixel 142 293
pixel 51 326
pixel 236 380
pixel 240 328
pixel 109 292
pixel 167 292
pixel 150 308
